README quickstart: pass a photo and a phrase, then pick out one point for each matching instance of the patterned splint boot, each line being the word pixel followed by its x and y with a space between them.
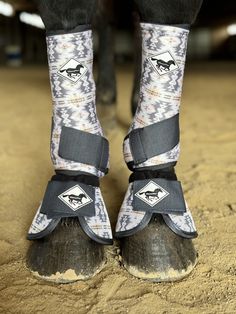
pixel 71 225
pixel 154 224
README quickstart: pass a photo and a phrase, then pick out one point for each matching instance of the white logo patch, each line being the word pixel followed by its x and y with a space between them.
pixel 72 70
pixel 163 63
pixel 75 197
pixel 152 193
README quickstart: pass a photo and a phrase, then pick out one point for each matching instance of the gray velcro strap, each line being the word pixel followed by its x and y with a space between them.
pixel 158 196
pixel 68 199
pixel 84 147
pixel 155 139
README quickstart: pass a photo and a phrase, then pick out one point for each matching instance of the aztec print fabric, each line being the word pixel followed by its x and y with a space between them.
pixel 161 84
pixel 70 59
pixel 98 224
pixel 128 219
pixel 163 61
pixel 40 223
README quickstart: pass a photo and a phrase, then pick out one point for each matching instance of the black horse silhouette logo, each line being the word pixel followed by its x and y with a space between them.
pixel 75 199
pixel 149 195
pixel 163 65
pixel 73 72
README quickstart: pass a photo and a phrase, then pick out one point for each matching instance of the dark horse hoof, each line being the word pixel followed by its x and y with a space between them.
pixel 66 255
pixel 158 254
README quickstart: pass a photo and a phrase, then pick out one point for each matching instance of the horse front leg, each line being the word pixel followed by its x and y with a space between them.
pixel 159 12
pixel 156 238
pixel 68 238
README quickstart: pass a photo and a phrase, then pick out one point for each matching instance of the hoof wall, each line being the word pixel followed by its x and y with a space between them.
pixel 157 254
pixel 66 255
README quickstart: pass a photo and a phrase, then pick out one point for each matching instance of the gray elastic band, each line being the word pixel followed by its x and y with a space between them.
pixel 169 200
pixel 68 199
pixel 154 140
pixel 84 147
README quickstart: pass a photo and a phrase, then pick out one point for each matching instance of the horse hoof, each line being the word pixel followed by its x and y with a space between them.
pixel 66 255
pixel 157 254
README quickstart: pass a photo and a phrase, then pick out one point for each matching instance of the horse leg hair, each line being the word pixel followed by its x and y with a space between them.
pixel 66 15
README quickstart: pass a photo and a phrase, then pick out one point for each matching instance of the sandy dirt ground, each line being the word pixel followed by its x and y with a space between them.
pixel 207 169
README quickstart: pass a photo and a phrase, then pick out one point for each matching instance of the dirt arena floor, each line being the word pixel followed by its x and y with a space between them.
pixel 207 169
